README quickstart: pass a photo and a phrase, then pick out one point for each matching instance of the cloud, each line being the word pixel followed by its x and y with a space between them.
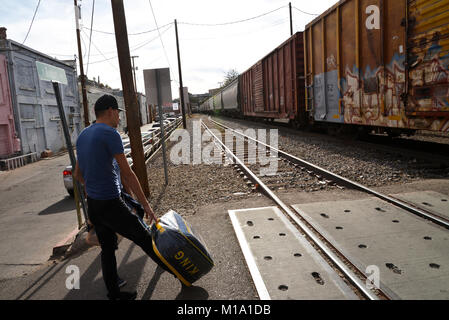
pixel 206 52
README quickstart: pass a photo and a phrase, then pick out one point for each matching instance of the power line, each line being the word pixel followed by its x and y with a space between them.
pixel 133 49
pixel 106 59
pixel 195 24
pixel 85 47
pixel 240 34
pixel 129 34
pixel 29 29
pixel 147 42
pixel 160 37
pixel 232 22
pixel 311 14
pixel 90 36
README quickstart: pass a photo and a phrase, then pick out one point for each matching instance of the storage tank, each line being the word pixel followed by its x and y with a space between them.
pixel 380 63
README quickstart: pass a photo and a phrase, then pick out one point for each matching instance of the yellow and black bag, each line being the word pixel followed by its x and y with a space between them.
pixel 180 248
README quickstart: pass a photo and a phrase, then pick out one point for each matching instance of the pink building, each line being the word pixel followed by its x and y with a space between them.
pixel 9 142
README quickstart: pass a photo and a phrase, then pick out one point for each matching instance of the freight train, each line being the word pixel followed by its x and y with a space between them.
pixel 365 65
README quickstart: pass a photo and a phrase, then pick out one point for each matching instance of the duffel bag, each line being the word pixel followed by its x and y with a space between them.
pixel 180 248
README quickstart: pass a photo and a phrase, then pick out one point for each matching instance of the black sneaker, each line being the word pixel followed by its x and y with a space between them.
pixel 123 295
pixel 121 282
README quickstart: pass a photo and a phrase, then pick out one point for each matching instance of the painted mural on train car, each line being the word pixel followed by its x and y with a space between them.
pixel 380 108
pixel 386 107
pixel 382 92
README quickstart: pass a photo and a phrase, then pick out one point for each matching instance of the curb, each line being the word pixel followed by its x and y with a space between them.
pixel 62 247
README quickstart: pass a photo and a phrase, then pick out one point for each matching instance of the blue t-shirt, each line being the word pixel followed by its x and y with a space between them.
pixel 95 148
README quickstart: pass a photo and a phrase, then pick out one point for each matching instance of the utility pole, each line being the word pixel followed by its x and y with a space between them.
pixel 135 87
pixel 80 57
pixel 291 19
pixel 129 95
pixel 181 91
pixel 161 121
pixel 134 72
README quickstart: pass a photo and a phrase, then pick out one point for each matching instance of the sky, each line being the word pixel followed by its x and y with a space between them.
pixel 210 45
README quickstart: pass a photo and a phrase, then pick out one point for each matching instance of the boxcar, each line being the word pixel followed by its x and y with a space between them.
pixel 380 64
pixel 273 88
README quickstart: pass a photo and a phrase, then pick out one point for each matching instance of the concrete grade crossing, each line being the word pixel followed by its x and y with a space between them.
pixel 283 264
pixel 410 252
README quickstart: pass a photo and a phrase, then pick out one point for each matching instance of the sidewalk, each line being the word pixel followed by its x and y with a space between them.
pixel 228 280
pixel 36 213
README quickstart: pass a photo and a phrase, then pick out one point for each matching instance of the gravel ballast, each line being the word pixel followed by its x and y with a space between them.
pixel 348 158
pixel 192 186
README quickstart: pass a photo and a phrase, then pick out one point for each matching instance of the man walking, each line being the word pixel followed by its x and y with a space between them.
pixel 97 147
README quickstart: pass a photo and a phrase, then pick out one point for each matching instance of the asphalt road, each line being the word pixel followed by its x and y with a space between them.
pixel 36 213
pixel 228 280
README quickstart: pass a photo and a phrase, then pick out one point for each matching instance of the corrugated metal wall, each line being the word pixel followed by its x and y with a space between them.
pixel 273 87
pixel 34 102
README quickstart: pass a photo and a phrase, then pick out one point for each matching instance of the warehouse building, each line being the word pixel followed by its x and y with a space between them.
pixel 29 116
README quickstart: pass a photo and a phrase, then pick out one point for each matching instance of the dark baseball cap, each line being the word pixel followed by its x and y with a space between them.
pixel 105 102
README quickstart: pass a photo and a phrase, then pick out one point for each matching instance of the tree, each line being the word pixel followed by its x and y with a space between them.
pixel 230 76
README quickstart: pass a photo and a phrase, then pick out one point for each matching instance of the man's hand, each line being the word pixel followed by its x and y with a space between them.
pixel 149 214
pixel 129 179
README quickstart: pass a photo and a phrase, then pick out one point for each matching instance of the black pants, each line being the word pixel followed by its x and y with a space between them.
pixel 114 216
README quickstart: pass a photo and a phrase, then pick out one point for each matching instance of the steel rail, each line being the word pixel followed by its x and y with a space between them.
pixel 353 278
pixel 335 177
pixel 167 137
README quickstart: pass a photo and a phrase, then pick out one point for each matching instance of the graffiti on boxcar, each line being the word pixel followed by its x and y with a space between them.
pixel 430 81
pixel 375 98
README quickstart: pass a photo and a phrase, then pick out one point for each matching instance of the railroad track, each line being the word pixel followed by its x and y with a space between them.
pixel 327 177
pixel 289 172
pixel 338 262
pixel 426 154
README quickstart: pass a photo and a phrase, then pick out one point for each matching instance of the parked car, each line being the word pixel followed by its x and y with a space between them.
pixel 68 180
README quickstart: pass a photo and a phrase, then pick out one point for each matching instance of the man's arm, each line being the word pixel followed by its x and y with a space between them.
pixel 79 177
pixel 129 179
pixel 126 188
pixel 77 174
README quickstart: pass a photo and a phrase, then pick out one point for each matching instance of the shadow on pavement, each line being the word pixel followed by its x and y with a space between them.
pixel 149 292
pixel 90 289
pixel 92 286
pixel 27 293
pixel 192 293
pixel 66 204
